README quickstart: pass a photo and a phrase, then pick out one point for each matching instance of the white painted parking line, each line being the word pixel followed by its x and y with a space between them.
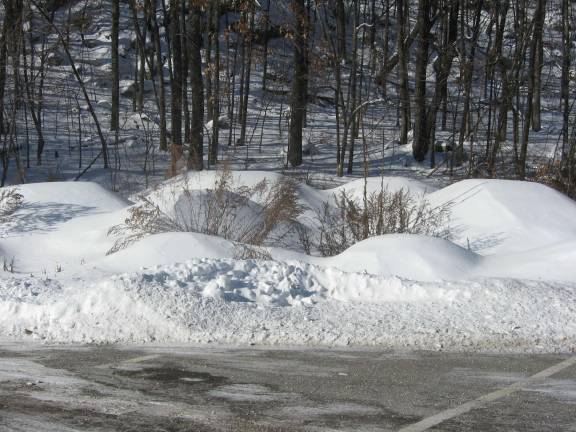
pixel 448 414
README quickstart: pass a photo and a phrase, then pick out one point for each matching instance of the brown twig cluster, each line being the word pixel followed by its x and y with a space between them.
pixel 257 215
pixel 350 221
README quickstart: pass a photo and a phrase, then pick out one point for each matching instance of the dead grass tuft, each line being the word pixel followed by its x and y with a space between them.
pixel 10 201
pixel 350 221
pixel 257 216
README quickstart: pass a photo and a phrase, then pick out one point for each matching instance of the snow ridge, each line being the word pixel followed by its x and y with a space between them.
pixel 267 302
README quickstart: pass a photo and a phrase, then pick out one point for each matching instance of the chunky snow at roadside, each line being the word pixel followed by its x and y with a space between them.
pixel 505 282
pixel 227 301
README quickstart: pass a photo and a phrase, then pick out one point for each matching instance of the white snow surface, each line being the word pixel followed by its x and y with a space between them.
pixel 503 216
pixel 505 283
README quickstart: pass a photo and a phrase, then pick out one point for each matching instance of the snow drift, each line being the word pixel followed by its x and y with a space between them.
pixel 505 282
pixel 503 216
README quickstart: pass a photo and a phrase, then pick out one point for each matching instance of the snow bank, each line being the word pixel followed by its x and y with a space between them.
pixel 227 301
pixel 395 291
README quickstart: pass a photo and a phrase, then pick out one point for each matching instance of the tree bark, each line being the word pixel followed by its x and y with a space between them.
pixel 403 74
pixel 421 144
pixel 538 25
pixel 115 119
pixel 341 28
pixel 196 154
pixel 151 10
pixel 565 85
pixel 176 105
pixel 299 79
pixel 213 156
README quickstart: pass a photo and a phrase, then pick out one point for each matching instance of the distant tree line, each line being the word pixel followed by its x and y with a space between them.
pixel 489 71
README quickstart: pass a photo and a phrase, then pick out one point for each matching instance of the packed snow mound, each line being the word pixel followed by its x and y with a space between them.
pixel 89 195
pixel 395 291
pixel 48 207
pixel 374 185
pixel 172 189
pixel 263 302
pixel 408 256
pixel 311 198
pixel 167 248
pixel 556 262
pixel 505 216
pixel 66 227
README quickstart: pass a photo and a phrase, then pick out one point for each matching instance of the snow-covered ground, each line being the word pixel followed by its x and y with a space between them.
pixel 504 281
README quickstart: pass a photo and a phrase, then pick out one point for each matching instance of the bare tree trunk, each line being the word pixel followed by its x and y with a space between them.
pixel 266 19
pixel 353 97
pixel 299 79
pixel 341 28
pixel 539 63
pixel 539 16
pixel 78 77
pixel 391 62
pixel 176 106
pixel 403 74
pixel 185 69
pixel 245 88
pixel 468 71
pixel 141 68
pixel 565 85
pixel 442 69
pixel 151 10
pixel 231 74
pixel 196 155
pixel 216 87
pixel 505 93
pixel 450 38
pixel 115 119
pixel 35 113
pixel 209 71
pixel 241 45
pixel 3 62
pixel 420 145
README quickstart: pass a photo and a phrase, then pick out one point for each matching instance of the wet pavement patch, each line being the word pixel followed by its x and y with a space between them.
pixel 171 375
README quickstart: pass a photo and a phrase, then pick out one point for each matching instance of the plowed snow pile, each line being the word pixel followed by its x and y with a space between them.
pixel 505 283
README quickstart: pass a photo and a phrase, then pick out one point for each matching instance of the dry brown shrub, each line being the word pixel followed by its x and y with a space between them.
pixel 350 221
pixel 10 201
pixel 259 215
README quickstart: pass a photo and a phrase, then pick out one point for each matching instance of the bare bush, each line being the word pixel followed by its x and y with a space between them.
pixel 350 221
pixel 558 176
pixel 10 201
pixel 258 215
pixel 8 265
pixel 249 252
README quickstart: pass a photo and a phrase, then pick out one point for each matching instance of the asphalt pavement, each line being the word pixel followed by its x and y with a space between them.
pixel 113 388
